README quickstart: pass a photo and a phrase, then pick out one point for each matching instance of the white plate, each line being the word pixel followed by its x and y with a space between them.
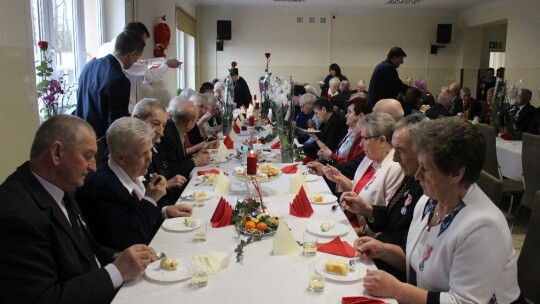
pixel 182 272
pixel 189 196
pixel 336 229
pixel 326 199
pixel 177 224
pixel 215 160
pixel 358 274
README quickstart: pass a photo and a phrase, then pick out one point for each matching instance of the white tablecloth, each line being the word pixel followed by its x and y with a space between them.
pixel 263 277
pixel 509 158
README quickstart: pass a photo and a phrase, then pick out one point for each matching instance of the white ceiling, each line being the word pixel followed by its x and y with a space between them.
pixel 423 6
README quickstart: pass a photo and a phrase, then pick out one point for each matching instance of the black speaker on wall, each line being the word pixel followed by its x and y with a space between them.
pixel 444 33
pixel 224 30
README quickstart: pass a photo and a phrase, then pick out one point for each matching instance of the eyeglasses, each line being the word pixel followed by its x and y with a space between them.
pixel 364 138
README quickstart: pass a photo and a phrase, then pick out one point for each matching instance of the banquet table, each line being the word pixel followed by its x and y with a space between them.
pixel 262 277
pixel 509 158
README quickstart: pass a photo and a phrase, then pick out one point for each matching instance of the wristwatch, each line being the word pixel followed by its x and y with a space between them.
pixel 371 219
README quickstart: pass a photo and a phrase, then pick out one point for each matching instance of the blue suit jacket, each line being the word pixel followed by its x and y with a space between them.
pixel 116 218
pixel 41 260
pixel 103 94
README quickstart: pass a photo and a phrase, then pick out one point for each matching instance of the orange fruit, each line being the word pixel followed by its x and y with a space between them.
pixel 250 225
pixel 261 226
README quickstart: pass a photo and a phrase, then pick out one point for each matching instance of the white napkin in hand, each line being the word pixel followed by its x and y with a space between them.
pixel 284 242
pixel 223 184
pixel 213 261
pixel 222 152
pixel 297 182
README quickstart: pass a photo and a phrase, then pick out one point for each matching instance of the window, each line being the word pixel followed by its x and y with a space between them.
pixel 185 40
pixel 64 24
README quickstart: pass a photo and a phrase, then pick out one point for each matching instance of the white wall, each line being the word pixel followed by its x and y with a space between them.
pixel 19 114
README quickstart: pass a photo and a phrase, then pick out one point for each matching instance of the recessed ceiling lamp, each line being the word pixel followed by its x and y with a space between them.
pixel 402 1
pixel 289 0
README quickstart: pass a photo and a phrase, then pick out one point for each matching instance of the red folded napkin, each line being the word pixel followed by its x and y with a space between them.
pixel 506 136
pixel 276 145
pixel 337 247
pixel 300 206
pixel 213 171
pixel 236 128
pixel 228 142
pixel 360 300
pixel 290 169
pixel 222 215
pixel 306 160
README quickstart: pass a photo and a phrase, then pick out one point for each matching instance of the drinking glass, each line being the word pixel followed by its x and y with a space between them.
pixel 200 232
pixel 316 281
pixel 310 244
pixel 199 278
pixel 198 198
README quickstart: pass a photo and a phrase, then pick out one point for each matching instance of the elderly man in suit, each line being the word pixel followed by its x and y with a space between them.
pixel 525 120
pixel 120 209
pixel 104 89
pixel 457 102
pixel 184 118
pixel 47 255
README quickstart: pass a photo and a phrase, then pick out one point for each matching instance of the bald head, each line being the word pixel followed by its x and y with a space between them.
pixel 445 99
pixel 184 115
pixel 389 106
pixel 454 89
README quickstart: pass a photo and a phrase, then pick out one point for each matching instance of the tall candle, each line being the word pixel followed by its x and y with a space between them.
pixel 256 105
pixel 252 164
pixel 251 121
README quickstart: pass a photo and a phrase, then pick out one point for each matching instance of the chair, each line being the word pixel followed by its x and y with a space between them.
pixel 491 165
pixel 101 148
pixel 527 263
pixel 531 170
pixel 491 185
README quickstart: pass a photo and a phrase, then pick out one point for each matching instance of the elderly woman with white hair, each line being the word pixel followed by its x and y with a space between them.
pixel 119 209
pixel 333 89
pixel 211 121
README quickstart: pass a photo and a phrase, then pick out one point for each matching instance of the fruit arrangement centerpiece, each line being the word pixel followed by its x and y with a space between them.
pixel 250 215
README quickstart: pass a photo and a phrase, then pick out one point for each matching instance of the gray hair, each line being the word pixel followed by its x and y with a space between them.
pixel 185 112
pixel 333 81
pixel 305 98
pixel 361 83
pixel 127 133
pixel 344 86
pixel 310 89
pixel 175 103
pixel 210 98
pixel 197 98
pixel 187 92
pixel 67 129
pixel 146 107
pixel 445 99
pixel 378 124
pixel 412 122
pixel 452 143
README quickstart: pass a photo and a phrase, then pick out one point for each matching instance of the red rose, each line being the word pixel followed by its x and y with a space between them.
pixel 233 64
pixel 43 45
pixel 267 55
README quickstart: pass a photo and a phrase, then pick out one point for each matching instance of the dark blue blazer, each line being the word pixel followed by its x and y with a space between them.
pixel 385 82
pixel 41 261
pixel 174 151
pixel 116 217
pixel 103 94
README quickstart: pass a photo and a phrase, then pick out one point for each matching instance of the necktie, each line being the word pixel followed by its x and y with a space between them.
pixel 80 232
pixel 405 186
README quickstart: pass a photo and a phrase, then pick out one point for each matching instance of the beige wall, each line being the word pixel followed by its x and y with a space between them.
pixel 19 114
pixel 356 42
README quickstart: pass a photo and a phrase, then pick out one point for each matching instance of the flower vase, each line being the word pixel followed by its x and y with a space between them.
pixel 227 118
pixel 265 100
pixel 280 92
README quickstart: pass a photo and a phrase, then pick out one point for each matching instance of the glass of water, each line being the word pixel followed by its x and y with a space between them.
pixel 310 244
pixel 198 198
pixel 199 278
pixel 316 281
pixel 200 232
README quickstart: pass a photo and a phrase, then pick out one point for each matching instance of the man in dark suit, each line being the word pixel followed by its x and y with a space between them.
pixel 526 113
pixel 119 209
pixel 153 113
pixel 47 254
pixel 242 95
pixel 104 89
pixel 440 109
pixel 457 102
pixel 183 120
pixel 390 223
pixel 385 82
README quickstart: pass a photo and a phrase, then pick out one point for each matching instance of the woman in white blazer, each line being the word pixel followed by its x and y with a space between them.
pixel 377 177
pixel 459 248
